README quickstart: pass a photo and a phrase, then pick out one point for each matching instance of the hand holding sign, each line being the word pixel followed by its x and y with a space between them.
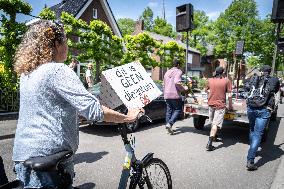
pixel 128 84
pixel 133 114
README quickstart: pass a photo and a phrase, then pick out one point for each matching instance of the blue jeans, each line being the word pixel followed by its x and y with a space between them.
pixel 36 179
pixel 174 109
pixel 258 118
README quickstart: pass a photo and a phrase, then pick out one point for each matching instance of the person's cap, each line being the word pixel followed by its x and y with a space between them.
pixel 219 70
pixel 90 65
pixel 266 68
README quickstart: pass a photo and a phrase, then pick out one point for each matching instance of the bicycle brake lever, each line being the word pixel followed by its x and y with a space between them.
pixel 148 118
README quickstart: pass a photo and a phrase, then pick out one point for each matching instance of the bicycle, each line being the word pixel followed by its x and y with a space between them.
pixel 145 172
pixel 139 171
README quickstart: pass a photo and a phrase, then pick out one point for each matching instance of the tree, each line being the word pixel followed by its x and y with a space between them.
pixel 140 48
pixel 147 17
pixel 126 25
pixel 201 35
pixel 161 26
pixel 11 31
pixel 144 48
pixel 238 22
pixel 168 52
pixel 97 42
pixel 47 14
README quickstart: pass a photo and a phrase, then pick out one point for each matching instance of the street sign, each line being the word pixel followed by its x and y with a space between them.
pixel 128 84
pixel 240 47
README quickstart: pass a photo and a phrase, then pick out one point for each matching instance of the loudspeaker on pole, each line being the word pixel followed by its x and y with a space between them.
pixel 184 17
pixel 277 15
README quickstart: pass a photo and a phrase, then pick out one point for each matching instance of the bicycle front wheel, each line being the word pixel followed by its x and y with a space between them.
pixel 157 174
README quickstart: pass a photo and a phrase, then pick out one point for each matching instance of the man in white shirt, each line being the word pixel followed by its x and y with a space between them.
pixel 89 75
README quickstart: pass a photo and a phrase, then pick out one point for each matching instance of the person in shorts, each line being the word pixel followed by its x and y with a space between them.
pixel 217 86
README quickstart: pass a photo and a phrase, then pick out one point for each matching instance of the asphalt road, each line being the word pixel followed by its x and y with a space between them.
pixel 98 161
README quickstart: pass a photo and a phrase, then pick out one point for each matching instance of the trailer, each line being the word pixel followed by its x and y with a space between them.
pixel 196 107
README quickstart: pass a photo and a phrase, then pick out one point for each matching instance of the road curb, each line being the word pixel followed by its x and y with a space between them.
pixel 278 182
pixel 9 116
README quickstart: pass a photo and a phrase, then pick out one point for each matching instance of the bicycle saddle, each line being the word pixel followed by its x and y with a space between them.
pixel 47 163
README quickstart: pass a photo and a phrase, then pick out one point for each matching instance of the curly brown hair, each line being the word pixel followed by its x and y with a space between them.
pixel 38 46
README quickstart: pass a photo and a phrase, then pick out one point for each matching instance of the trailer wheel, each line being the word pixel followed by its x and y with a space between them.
pixel 199 122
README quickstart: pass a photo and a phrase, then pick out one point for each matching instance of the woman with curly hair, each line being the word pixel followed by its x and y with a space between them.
pixel 51 94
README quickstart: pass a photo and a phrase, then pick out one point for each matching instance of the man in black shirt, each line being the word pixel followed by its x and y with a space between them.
pixel 261 102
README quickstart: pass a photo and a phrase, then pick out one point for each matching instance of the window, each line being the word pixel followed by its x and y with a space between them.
pixel 95 13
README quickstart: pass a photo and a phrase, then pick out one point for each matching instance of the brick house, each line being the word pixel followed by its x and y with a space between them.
pixel 88 10
pixel 157 73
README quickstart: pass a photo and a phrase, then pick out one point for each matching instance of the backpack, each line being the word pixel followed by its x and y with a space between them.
pixel 260 91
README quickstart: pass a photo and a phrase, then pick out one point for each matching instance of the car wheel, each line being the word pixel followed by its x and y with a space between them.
pixel 132 127
pixel 199 122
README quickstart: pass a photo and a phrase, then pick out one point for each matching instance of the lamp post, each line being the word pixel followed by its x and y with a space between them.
pixel 186 55
pixel 184 22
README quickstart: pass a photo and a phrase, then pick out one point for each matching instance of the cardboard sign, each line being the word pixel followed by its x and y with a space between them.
pixel 129 84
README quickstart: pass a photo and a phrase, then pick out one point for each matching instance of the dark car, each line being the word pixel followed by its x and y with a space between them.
pixel 156 109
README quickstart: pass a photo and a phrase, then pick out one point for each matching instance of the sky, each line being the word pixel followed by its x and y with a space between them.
pixel 133 9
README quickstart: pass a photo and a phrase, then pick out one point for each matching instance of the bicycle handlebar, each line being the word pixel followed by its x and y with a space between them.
pixel 122 127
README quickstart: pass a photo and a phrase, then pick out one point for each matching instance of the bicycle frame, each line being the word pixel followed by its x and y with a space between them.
pixel 131 165
pixel 130 162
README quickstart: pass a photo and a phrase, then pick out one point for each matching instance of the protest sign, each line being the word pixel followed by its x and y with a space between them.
pixel 128 84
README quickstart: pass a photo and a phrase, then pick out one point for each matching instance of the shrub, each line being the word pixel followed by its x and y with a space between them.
pixel 201 83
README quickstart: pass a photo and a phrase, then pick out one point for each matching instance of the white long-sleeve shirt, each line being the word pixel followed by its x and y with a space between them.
pixel 50 98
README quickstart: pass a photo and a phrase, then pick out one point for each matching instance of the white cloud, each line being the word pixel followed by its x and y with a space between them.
pixel 152 4
pixel 213 15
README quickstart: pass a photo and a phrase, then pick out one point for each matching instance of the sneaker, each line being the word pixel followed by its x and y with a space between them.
pixel 251 166
pixel 169 129
pixel 210 147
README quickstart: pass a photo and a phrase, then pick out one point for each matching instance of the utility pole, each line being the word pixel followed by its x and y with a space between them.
pixel 164 11
pixel 186 57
